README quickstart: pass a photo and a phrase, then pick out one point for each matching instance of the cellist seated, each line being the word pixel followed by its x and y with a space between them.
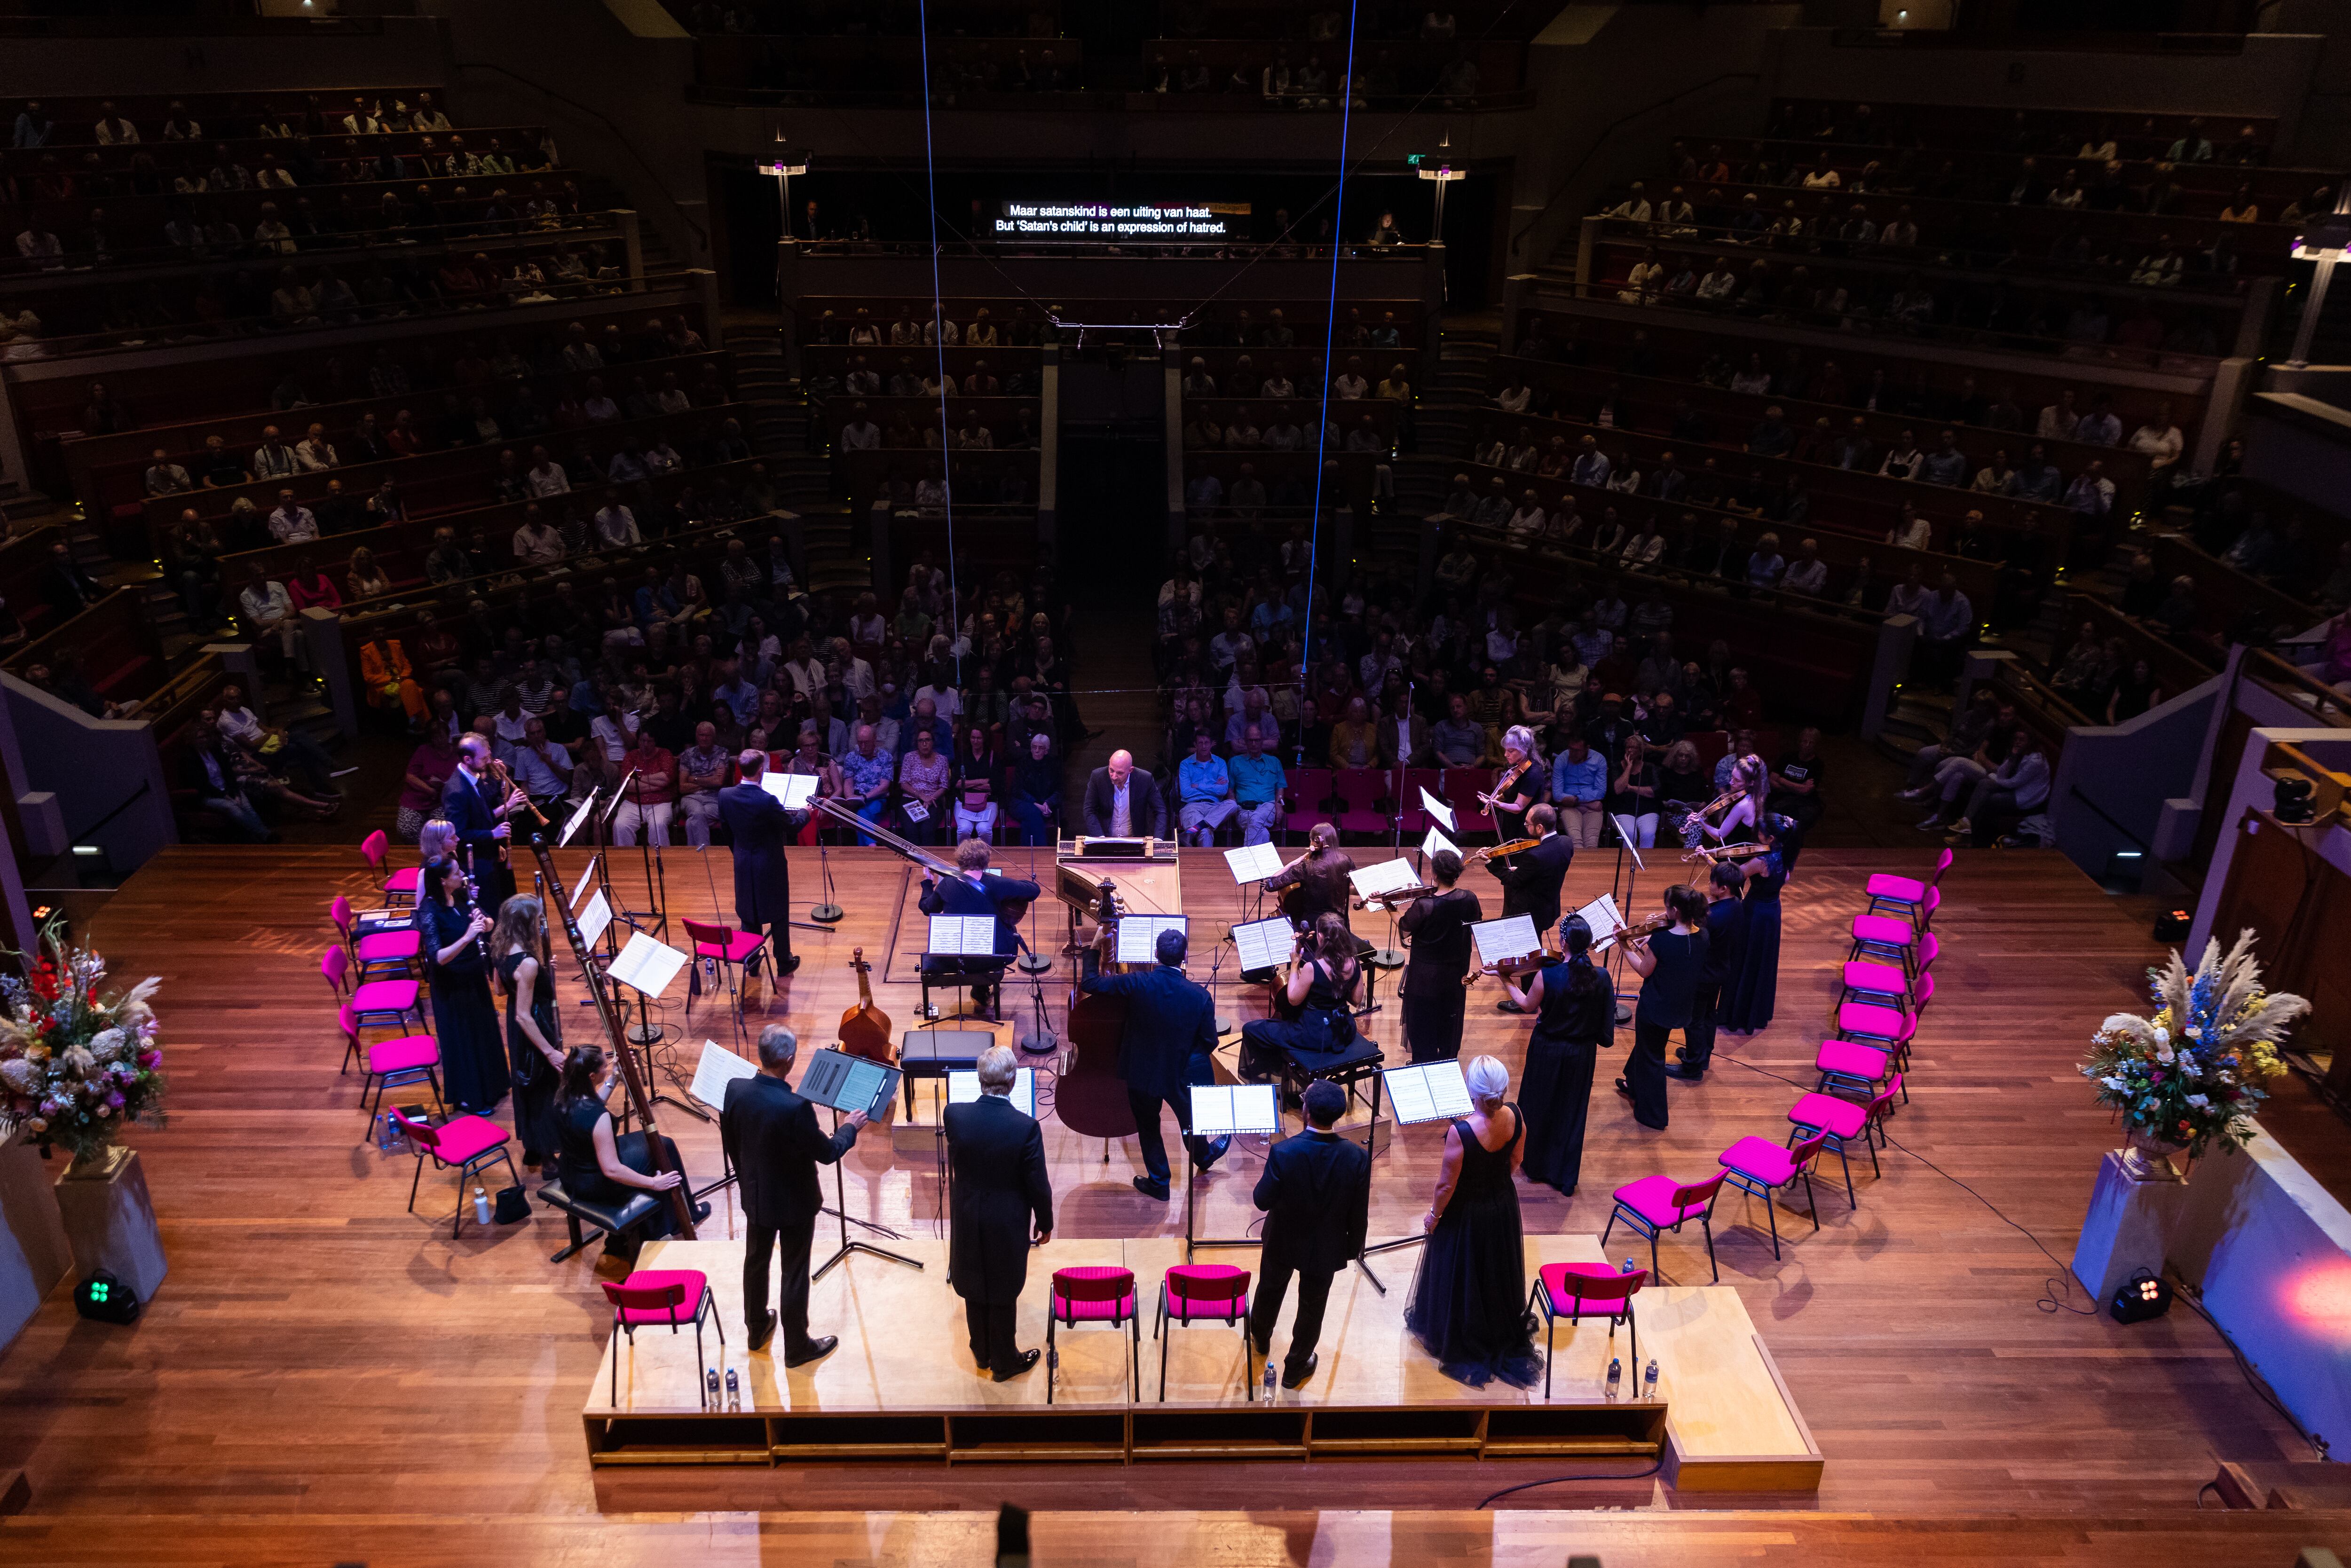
pixel 972 890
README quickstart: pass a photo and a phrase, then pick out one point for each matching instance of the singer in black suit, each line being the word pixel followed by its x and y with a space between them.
pixel 1531 881
pixel 1171 1028
pixel 771 1135
pixel 1436 937
pixel 996 1158
pixel 1145 817
pixel 1316 1193
pixel 471 801
pixel 971 891
pixel 759 827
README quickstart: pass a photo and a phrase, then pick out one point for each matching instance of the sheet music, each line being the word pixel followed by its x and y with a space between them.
pixel 962 934
pixel 1138 935
pixel 1603 916
pixel 963 1088
pixel 1388 876
pixel 1428 1092
pixel 1511 937
pixel 847 1082
pixel 1221 1108
pixel 578 816
pixel 1435 841
pixel 1265 944
pixel 646 965
pixel 794 791
pixel 594 918
pixel 1253 862
pixel 1438 810
pixel 586 877
pixel 718 1069
pixel 618 796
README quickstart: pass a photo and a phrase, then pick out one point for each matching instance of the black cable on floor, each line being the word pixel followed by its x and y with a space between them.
pixel 1554 1481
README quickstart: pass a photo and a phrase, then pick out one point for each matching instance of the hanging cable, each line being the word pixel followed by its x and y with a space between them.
pixel 939 341
pixel 1330 336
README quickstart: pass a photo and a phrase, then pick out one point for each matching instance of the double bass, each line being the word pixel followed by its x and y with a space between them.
pixel 1090 1092
pixel 866 1029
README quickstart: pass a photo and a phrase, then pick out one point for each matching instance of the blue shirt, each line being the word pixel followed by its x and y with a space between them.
pixel 1256 780
pixel 1586 780
pixel 1198 780
pixel 742 697
pixel 1592 468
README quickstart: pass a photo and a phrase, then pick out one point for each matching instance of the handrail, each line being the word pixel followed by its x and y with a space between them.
pixel 1596 143
pixel 659 184
pixel 2326 703
pixel 128 801
pixel 2108 818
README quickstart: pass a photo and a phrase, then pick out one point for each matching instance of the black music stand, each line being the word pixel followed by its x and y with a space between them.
pixel 840 1082
pixel 1624 848
pixel 648 976
pixel 1421 1101
pixel 1229 1111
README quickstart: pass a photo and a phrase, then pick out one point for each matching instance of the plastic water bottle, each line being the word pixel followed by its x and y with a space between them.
pixel 733 1391
pixel 1616 1376
pixel 1270 1385
pixel 481 1207
pixel 1649 1380
pixel 387 1133
pixel 710 1390
pixel 1628 1265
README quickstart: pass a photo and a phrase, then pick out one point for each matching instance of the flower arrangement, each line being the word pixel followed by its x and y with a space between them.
pixel 2194 1071
pixel 75 1066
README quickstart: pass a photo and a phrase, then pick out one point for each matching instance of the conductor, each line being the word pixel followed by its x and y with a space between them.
pixel 971 891
pixel 1171 1028
pixel 1531 885
pixel 996 1157
pixel 759 827
pixel 1122 803
pixel 1316 1193
pixel 770 1137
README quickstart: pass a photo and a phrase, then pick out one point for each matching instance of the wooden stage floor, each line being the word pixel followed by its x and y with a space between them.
pixel 322 1367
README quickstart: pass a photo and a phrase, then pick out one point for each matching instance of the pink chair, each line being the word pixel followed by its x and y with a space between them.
pixel 1890 980
pixel 1207 1291
pixel 727 947
pixel 410 1058
pixel 382 955
pixel 400 887
pixel 1658 1203
pixel 1580 1290
pixel 1903 894
pixel 468 1146
pixel 1462 787
pixel 1761 1168
pixel 1094 1294
pixel 1893 936
pixel 1358 791
pixel 1839 1120
pixel 1890 1029
pixel 651 1297
pixel 1849 1063
pixel 371 1002
pixel 1308 790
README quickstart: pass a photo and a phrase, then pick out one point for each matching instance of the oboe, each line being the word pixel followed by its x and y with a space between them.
pixel 473 908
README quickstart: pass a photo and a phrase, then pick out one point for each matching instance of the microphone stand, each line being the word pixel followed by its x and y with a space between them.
pixel 1040 1041
pixel 841 1212
pixel 658 914
pixel 827 911
pixel 1624 908
pixel 1392 956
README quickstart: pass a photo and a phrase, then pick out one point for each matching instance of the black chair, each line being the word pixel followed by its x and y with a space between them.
pixel 608 1219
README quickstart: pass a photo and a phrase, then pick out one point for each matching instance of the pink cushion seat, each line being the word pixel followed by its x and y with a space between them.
pixel 1850 1059
pixel 1652 1198
pixel 1883 979
pixel 1213 1289
pixel 1827 1113
pixel 688 1306
pixel 1764 1160
pixel 388 947
pixel 403 880
pixel 1893 931
pixel 740 945
pixel 466 1136
pixel 1070 1309
pixel 384 997
pixel 1861 1017
pixel 1906 889
pixel 409 1052
pixel 1566 1284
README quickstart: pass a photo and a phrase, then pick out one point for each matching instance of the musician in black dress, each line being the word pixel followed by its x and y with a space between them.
pixel 1316 883
pixel 1726 942
pixel 1325 975
pixel 1669 964
pixel 1468 1304
pixel 971 891
pixel 1518 787
pixel 473 1068
pixel 1531 879
pixel 1437 941
pixel 534 1033
pixel 1576 1010
pixel 596 1166
pixel 1753 990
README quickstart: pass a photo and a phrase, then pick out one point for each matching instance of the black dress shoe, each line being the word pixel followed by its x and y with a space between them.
pixel 701 1212
pixel 1683 1071
pixel 1625 1089
pixel 1681 1053
pixel 762 1331
pixel 1029 1358
pixel 1264 1347
pixel 786 964
pixel 1150 1188
pixel 1292 1379
pixel 1217 1147
pixel 817 1349
pixel 1508 1007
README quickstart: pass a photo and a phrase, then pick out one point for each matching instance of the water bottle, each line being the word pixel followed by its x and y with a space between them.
pixel 733 1391
pixel 387 1133
pixel 1616 1376
pixel 710 1390
pixel 1649 1380
pixel 481 1207
pixel 1269 1383
pixel 1628 1265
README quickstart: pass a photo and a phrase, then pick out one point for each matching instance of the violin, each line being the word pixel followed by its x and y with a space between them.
pixel 866 1029
pixel 1401 896
pixel 1647 926
pixel 1526 964
pixel 1505 850
pixel 1721 853
pixel 1510 776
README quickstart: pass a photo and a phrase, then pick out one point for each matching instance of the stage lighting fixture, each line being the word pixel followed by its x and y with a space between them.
pixel 2139 1297
pixel 2172 925
pixel 2293 802
pixel 106 1299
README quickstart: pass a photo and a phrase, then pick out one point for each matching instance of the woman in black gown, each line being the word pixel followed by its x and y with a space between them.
pixel 1750 996
pixel 597 1166
pixel 1469 1297
pixel 1577 1010
pixel 1324 976
pixel 473 1068
pixel 1670 965
pixel 534 1036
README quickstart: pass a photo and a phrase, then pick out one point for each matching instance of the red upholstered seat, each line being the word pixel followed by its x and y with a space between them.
pixel 1877 980
pixel 1900 889
pixel 1884 930
pixel 402 880
pixel 1085 1294
pixel 388 947
pixel 384 997
pixel 1852 1059
pixel 738 946
pixel 406 1055
pixel 1827 1113
pixel 1205 1289
pixel 1761 1159
pixel 1589 1290
pixel 462 1139
pixel 1652 1198
pixel 647 1282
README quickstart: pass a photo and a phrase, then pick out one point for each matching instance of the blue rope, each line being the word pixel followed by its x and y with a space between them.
pixel 939 335
pixel 1329 330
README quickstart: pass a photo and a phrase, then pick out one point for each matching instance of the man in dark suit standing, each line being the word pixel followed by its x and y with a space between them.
pixel 971 891
pixel 1122 803
pixel 1531 881
pixel 1316 1193
pixel 759 827
pixel 771 1138
pixel 474 805
pixel 1437 931
pixel 1171 1028
pixel 996 1159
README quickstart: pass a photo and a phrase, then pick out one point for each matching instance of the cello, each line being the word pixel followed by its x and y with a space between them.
pixel 1090 1092
pixel 866 1029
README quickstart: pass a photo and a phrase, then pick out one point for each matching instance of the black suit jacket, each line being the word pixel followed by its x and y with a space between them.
pixel 760 826
pixel 1168 1021
pixel 1146 815
pixel 1437 931
pixel 957 895
pixel 997 1158
pixel 1316 1193
pixel 771 1137
pixel 1531 881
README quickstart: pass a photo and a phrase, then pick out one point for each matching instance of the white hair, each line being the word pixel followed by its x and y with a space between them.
pixel 1488 1081
pixel 999 1070
pixel 1523 739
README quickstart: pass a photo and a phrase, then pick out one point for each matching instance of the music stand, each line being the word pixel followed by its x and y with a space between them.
pixel 1422 1092
pixel 1624 847
pixel 956 936
pixel 1222 1111
pixel 1369 882
pixel 1250 865
pixel 647 965
pixel 571 827
pixel 718 1068
pixel 840 1082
